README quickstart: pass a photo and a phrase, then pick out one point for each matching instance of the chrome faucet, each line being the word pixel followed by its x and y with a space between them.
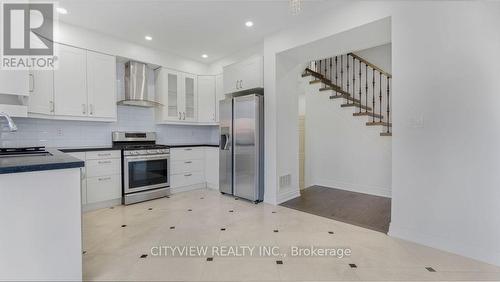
pixel 12 125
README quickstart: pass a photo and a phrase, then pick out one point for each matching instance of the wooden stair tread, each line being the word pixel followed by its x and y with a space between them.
pixel 382 123
pixel 370 114
pixel 358 105
pixel 315 81
pixel 345 97
pixel 386 134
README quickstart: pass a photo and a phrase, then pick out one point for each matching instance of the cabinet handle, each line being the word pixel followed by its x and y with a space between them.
pixel 187 175
pixel 180 116
pixel 184 118
pixel 236 84
pixel 104 178
pixel 84 108
pixel 104 162
pixel 51 106
pixel 241 84
pixel 188 162
pixel 91 109
pixel 32 82
pixel 188 149
pixel 104 155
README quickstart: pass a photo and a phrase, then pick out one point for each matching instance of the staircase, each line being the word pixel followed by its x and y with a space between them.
pixel 361 84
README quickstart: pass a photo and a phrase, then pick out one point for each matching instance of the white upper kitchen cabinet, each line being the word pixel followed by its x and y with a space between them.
pixel 178 93
pixel 219 94
pixel 206 98
pixel 101 85
pixel 70 82
pixel 190 101
pixel 168 90
pixel 244 75
pixel 41 100
pixel 15 82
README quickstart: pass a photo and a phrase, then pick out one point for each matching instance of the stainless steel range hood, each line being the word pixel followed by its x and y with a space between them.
pixel 136 86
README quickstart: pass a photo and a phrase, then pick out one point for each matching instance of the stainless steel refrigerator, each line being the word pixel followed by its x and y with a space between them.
pixel 241 150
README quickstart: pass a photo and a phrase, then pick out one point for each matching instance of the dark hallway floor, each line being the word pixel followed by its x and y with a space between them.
pixel 368 211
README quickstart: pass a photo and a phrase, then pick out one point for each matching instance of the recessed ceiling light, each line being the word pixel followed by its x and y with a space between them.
pixel 249 23
pixel 148 38
pixel 204 56
pixel 62 11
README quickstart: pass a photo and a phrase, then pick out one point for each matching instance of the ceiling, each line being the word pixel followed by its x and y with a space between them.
pixel 189 28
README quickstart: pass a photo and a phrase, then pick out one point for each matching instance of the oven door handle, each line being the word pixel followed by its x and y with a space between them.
pixel 146 158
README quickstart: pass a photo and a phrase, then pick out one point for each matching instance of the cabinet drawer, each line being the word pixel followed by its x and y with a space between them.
pixel 103 188
pixel 98 155
pixel 178 167
pixel 103 167
pixel 185 179
pixel 189 153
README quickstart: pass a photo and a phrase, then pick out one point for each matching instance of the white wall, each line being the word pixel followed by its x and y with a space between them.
pixel 379 56
pixel 216 67
pixel 88 39
pixel 445 189
pixel 341 151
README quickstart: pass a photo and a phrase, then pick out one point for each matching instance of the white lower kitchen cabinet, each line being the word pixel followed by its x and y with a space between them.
pixel 194 168
pixel 101 183
pixel 212 167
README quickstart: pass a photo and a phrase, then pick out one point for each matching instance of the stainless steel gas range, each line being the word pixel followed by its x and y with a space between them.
pixel 145 166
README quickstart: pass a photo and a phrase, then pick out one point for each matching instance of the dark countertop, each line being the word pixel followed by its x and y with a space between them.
pixel 191 145
pixel 85 149
pixel 57 160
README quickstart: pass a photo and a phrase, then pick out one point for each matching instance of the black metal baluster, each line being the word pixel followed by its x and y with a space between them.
pixel 366 88
pixel 319 68
pixel 347 58
pixel 380 97
pixel 360 82
pixel 336 74
pixel 353 79
pixel 373 94
pixel 388 106
pixel 331 69
pixel 325 69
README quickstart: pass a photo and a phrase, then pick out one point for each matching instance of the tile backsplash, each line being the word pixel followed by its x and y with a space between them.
pixel 58 133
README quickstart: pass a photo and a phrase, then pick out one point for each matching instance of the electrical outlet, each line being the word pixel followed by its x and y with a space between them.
pixel 60 132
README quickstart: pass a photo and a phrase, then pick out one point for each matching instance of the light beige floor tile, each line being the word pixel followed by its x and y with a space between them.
pixel 113 252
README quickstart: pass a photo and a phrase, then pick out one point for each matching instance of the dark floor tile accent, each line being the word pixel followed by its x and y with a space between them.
pixel 172 227
pixel 150 209
pixel 84 252
pixel 190 210
pixel 210 259
pixel 368 211
pixel 202 198
pixel 352 265
pixel 275 230
pixel 231 211
pixel 111 208
pixel 223 229
pixel 330 232
pixel 144 256
pixel 124 225
pixel 236 199
pixel 168 197
pixel 279 262
pixel 430 269
pixel 274 212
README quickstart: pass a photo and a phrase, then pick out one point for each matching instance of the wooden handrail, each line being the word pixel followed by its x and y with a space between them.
pixel 371 65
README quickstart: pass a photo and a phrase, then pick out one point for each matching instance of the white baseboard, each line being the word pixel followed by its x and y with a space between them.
pixel 366 189
pixel 212 186
pixel 101 205
pixel 447 243
pixel 287 195
pixel 175 190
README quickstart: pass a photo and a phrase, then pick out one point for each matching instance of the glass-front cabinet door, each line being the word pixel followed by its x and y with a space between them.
pixel 190 97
